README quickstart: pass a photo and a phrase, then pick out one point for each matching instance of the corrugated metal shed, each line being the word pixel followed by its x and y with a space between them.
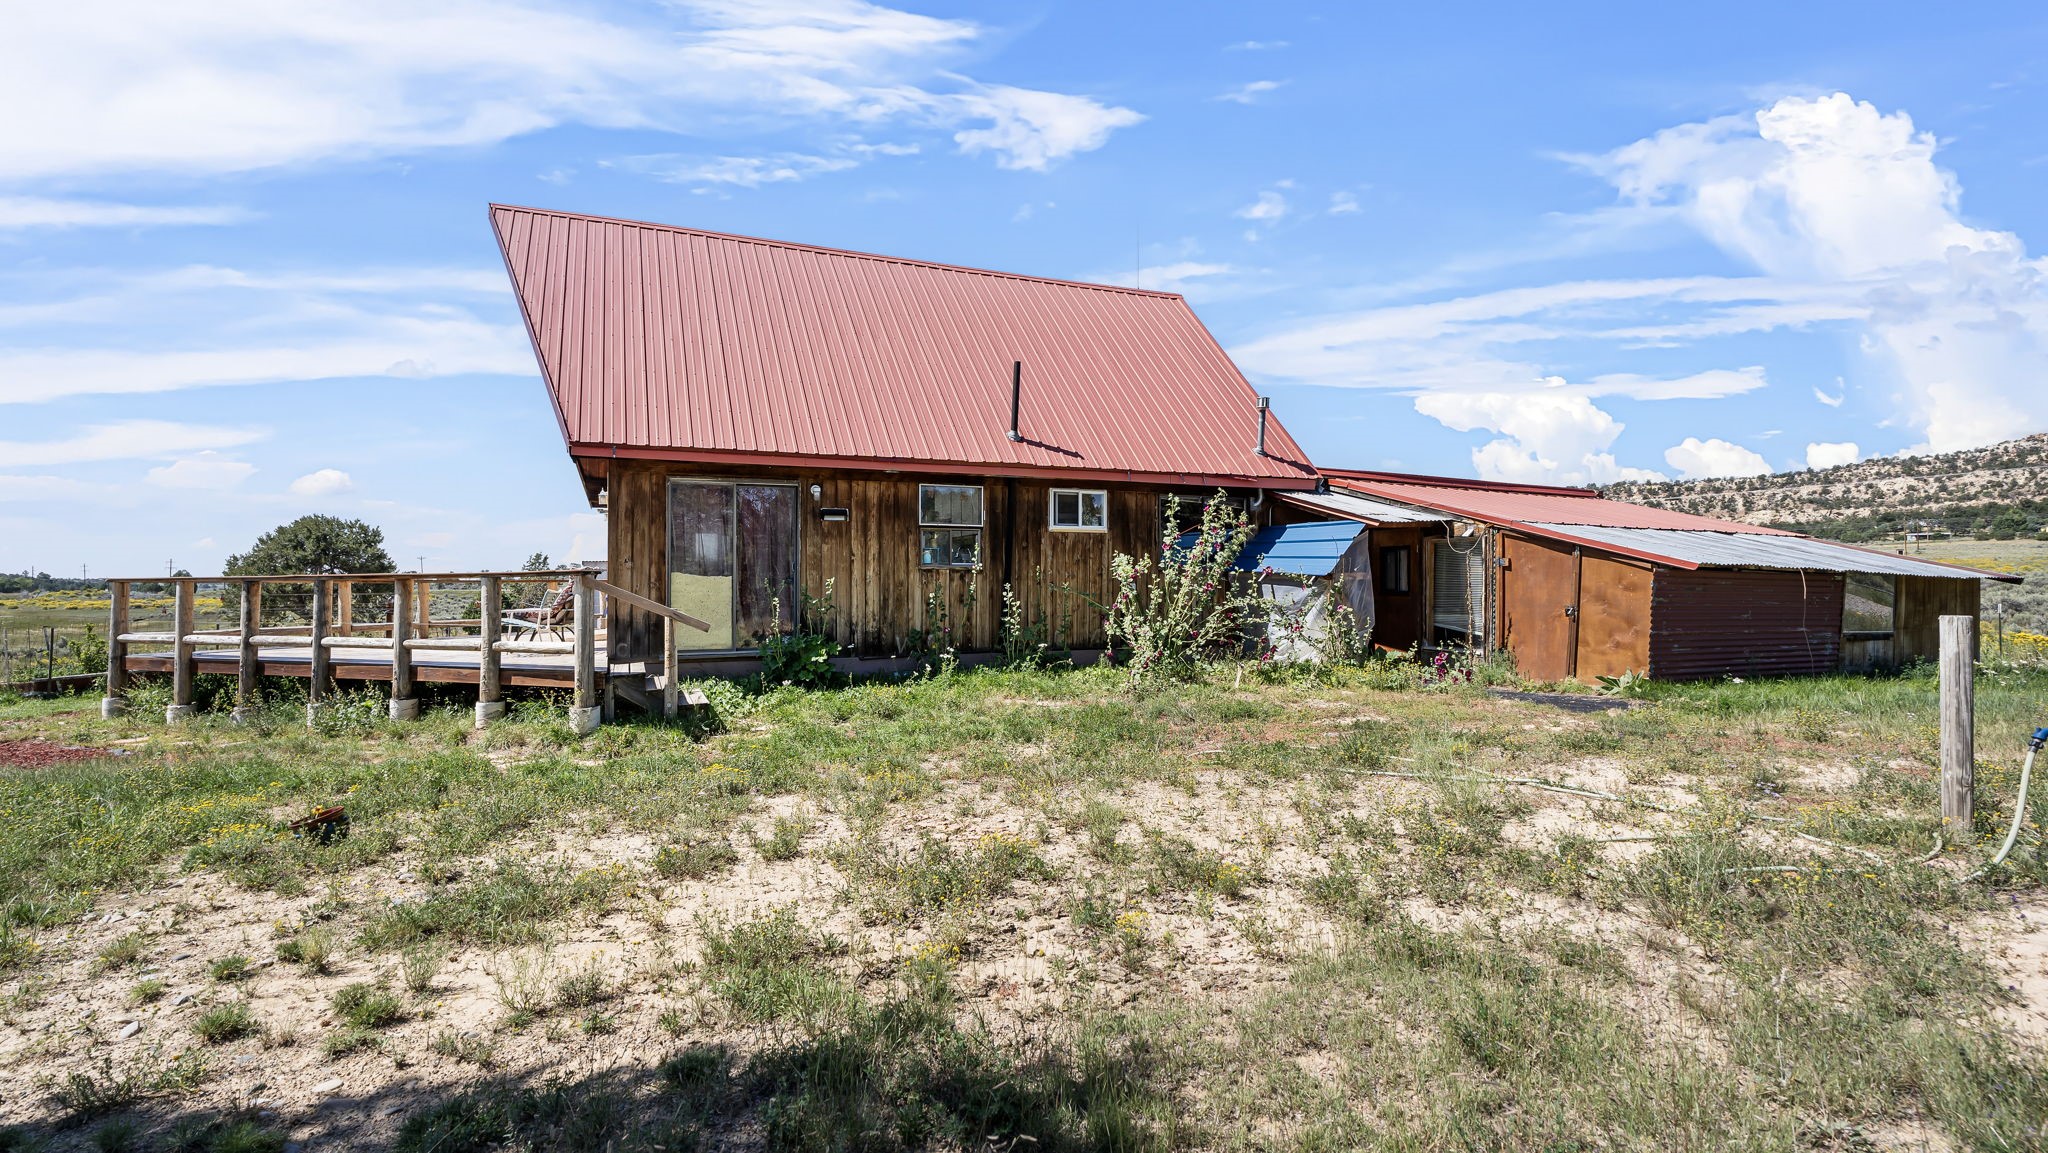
pixel 675 343
pixel 1352 506
pixel 1692 549
pixel 1532 504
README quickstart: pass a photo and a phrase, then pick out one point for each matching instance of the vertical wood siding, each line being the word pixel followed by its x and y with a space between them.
pixel 882 599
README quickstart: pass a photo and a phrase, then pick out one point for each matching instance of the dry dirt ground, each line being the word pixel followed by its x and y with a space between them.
pixel 1100 922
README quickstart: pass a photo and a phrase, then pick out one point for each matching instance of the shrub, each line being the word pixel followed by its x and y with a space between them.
pixel 367 1006
pixel 1186 605
pixel 224 1023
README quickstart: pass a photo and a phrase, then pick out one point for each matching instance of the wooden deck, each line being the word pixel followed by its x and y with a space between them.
pixel 540 670
pixel 318 637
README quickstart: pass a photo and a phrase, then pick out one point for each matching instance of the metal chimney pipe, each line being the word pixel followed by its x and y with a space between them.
pixel 1016 396
pixel 1265 403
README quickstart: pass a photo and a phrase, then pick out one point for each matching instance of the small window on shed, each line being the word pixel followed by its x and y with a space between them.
pixel 1080 510
pixel 1869 602
pixel 1394 570
pixel 949 525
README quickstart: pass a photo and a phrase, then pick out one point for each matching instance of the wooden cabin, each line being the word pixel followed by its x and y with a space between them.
pixel 765 423
pixel 1575 586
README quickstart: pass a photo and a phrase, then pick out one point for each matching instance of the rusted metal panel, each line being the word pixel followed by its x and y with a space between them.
pixel 680 344
pixel 1744 622
pixel 1614 617
pixel 1535 592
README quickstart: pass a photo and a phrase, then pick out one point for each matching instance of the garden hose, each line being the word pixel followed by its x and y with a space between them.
pixel 2019 806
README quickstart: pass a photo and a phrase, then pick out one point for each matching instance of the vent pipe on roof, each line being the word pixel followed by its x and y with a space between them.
pixel 1016 396
pixel 1265 403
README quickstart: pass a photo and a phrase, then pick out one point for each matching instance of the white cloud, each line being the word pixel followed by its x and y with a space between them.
pixel 36 489
pixel 1257 45
pixel 1695 459
pixel 1833 191
pixel 1173 276
pixel 207 470
pixel 237 85
pixel 742 171
pixel 1546 436
pixel 1825 455
pixel 323 482
pixel 1249 93
pixel 1833 399
pixel 22 212
pixel 1343 202
pixel 1269 206
pixel 125 440
pixel 1030 130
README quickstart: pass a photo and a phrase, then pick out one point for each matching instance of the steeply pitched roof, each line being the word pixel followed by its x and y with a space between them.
pixel 677 343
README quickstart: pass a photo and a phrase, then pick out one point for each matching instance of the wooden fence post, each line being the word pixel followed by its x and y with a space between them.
pixel 490 669
pixel 246 668
pixel 116 701
pixel 320 670
pixel 183 667
pixel 404 705
pixel 1958 723
pixel 345 608
pixel 585 714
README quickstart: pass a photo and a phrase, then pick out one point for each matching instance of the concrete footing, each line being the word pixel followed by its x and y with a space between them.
pixel 179 714
pixel 488 711
pixel 584 722
pixel 407 709
pixel 111 707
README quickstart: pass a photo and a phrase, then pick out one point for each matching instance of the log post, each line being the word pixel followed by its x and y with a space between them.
pixel 345 608
pixel 183 667
pixel 584 714
pixel 1958 723
pixel 668 668
pixel 404 705
pixel 246 666
pixel 490 678
pixel 320 670
pixel 116 701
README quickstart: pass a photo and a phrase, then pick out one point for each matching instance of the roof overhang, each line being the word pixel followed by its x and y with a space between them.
pixel 1077 474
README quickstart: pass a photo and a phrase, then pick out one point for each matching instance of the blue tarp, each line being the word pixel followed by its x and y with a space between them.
pixel 1309 550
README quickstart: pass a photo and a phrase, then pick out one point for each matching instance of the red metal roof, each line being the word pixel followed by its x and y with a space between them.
pixel 1529 504
pixel 676 343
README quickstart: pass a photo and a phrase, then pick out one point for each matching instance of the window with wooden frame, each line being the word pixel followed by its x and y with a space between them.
pixel 949 523
pixel 1078 510
pixel 1394 566
pixel 1869 605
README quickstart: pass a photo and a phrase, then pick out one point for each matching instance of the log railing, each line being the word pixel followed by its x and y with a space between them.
pixel 331 625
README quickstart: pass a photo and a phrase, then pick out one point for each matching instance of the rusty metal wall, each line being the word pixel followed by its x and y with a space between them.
pixel 1744 622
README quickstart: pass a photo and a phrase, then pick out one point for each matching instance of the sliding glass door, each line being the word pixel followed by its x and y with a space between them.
pixel 732 552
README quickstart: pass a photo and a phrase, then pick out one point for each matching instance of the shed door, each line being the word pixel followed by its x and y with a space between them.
pixel 1536 589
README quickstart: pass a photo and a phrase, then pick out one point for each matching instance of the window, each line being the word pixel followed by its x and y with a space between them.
pixel 1394 571
pixel 1458 588
pixel 732 558
pixel 1189 515
pixel 1080 509
pixel 949 525
pixel 1868 601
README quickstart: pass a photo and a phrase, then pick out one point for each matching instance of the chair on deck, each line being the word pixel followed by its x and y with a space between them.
pixel 554 617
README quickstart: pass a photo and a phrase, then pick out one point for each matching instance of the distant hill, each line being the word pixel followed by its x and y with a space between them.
pixel 1999 492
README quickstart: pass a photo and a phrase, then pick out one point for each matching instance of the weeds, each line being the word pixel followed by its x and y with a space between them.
pixel 226 1022
pixel 367 1006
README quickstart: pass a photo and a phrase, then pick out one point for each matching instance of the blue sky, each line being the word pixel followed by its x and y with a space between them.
pixel 245 271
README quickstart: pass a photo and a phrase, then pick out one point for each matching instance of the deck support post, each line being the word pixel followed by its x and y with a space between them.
pixel 490 679
pixel 585 713
pixel 321 668
pixel 1958 723
pixel 116 701
pixel 246 657
pixel 668 668
pixel 183 667
pixel 345 608
pixel 405 706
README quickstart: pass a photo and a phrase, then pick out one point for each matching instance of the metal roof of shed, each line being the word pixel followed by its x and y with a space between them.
pixel 676 343
pixel 1531 504
pixel 1352 506
pixel 1695 549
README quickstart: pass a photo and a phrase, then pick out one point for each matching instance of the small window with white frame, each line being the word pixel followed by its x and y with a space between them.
pixel 949 520
pixel 1079 510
